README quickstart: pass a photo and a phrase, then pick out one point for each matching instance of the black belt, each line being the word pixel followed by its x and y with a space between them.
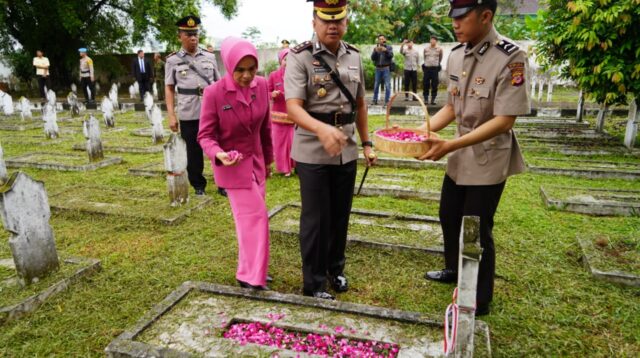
pixel 385 66
pixel 335 119
pixel 431 67
pixel 191 91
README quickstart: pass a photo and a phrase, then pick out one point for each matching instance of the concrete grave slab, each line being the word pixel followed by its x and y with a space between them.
pixel 148 132
pixel 396 162
pixel 191 321
pixel 592 201
pixel 144 204
pixel 584 168
pixel 72 271
pixel 157 169
pixel 600 265
pixel 59 161
pixel 377 229
pixel 394 185
pixel 20 125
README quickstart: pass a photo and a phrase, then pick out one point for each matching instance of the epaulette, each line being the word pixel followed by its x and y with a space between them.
pixel 506 46
pixel 457 47
pixel 351 47
pixel 301 47
pixel 169 55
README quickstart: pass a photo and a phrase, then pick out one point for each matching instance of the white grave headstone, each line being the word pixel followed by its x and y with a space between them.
pixel 24 207
pixel 50 117
pixel 113 96
pixel 154 89
pixel 91 131
pixel 132 92
pixel 7 104
pixel 107 113
pixel 74 88
pixel 631 132
pixel 3 168
pixel 51 98
pixel 175 163
pixel 25 108
pixel 157 131
pixel 148 105
pixel 72 101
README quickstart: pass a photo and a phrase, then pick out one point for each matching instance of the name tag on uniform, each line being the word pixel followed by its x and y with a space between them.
pixel 319 70
pixel 453 78
pixel 354 67
pixel 226 108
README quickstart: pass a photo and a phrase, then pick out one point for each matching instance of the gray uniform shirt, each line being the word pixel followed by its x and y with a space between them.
pixel 304 78
pixel 178 73
pixel 485 81
pixel 411 58
pixel 432 56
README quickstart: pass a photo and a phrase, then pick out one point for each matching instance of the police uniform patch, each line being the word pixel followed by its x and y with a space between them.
pixel 453 78
pixel 506 46
pixel 484 48
pixel 351 47
pixel 517 73
pixel 479 80
pixel 457 47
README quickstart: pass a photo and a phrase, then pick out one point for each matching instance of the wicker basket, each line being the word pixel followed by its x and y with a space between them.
pixel 400 148
pixel 280 117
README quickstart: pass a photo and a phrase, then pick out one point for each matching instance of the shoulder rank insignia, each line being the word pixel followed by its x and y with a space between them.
pixel 169 55
pixel 301 47
pixel 506 46
pixel 351 47
pixel 457 47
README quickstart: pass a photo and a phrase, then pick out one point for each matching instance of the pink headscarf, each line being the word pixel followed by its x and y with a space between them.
pixel 282 54
pixel 234 49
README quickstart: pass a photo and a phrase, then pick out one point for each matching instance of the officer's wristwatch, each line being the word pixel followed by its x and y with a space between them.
pixel 367 143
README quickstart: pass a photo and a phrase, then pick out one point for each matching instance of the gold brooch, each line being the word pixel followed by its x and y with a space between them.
pixel 322 92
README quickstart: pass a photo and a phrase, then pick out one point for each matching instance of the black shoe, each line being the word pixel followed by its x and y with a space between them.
pixel 339 283
pixel 319 294
pixel 444 276
pixel 200 192
pixel 433 102
pixel 482 310
pixel 375 102
pixel 269 279
pixel 258 288
pixel 222 192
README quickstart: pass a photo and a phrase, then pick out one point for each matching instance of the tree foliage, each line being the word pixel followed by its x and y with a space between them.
pixel 60 27
pixel 597 43
pixel 398 19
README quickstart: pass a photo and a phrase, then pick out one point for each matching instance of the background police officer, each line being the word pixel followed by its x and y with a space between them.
pixel 87 76
pixel 189 71
pixel 486 92
pixel 324 145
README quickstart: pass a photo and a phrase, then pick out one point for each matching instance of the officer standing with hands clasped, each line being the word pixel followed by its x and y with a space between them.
pixel 324 89
pixel 487 92
pixel 189 71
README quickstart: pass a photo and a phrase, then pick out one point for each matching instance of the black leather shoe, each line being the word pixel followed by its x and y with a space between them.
pixel 433 103
pixel 200 192
pixel 482 310
pixel 444 276
pixel 222 192
pixel 246 285
pixel 269 279
pixel 319 294
pixel 339 283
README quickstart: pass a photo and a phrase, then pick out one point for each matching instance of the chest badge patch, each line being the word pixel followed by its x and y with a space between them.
pixel 480 80
pixel 455 91
pixel 322 92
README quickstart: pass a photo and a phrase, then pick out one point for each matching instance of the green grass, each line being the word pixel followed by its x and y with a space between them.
pixel 545 304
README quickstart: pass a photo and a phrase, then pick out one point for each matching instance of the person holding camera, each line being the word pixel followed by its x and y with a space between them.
pixel 431 69
pixel 411 60
pixel 382 57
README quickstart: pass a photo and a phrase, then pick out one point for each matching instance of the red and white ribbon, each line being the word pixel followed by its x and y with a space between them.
pixel 450 334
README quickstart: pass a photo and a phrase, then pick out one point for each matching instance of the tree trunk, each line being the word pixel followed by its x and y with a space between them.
pixel 602 114
pixel 633 122
pixel 580 109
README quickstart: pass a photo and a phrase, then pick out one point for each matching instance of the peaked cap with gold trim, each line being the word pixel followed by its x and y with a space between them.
pixel 330 9
pixel 189 23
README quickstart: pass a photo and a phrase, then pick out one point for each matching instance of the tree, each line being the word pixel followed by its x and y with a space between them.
pixel 252 34
pixel 399 19
pixel 595 42
pixel 60 27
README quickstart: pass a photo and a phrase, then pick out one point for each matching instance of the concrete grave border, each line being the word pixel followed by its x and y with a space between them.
pixel 27 126
pixel 619 277
pixel 122 148
pixel 15 162
pixel 591 173
pixel 147 132
pixel 125 345
pixel 380 190
pixel 357 240
pixel 171 220
pixel 144 171
pixel 608 208
pixel 390 162
pixel 30 304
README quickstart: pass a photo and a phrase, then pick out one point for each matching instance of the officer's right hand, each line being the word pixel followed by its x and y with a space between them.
pixel 173 122
pixel 332 139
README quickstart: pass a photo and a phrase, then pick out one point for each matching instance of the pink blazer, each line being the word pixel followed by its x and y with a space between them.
pixel 228 123
pixel 276 82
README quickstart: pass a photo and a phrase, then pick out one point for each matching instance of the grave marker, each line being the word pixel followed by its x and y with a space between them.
pixel 633 121
pixel 107 112
pixel 175 162
pixel 7 104
pixel 24 208
pixel 157 132
pixel 3 168
pixel 91 131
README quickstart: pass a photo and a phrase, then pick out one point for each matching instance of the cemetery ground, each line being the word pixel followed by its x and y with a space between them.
pixel 545 304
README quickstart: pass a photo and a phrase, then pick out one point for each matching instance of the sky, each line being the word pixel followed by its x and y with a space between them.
pixel 292 22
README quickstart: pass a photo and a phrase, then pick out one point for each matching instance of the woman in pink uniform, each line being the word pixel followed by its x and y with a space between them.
pixel 282 128
pixel 235 133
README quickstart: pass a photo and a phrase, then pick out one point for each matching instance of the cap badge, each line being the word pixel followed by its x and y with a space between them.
pixel 191 22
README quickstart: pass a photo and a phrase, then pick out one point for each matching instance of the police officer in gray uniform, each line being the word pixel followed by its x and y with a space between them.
pixel 189 71
pixel 324 87
pixel 487 92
